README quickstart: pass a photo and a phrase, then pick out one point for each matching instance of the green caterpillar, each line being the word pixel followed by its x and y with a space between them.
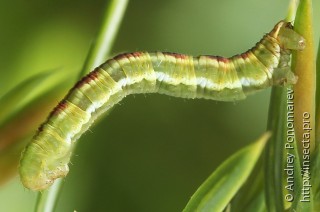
pixel 47 156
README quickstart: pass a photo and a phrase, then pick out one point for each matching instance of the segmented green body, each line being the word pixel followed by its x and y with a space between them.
pixel 225 79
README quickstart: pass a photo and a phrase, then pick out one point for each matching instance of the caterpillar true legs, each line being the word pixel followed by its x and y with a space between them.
pixel 225 79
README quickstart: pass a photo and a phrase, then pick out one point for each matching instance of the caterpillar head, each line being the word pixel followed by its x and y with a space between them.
pixel 288 38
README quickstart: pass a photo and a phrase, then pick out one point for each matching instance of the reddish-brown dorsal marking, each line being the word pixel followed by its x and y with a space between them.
pixel 176 55
pixel 127 55
pixel 244 55
pixel 94 75
pixel 218 58
pixel 137 54
pixel 222 59
pixel 121 56
pixel 60 107
pixel 85 80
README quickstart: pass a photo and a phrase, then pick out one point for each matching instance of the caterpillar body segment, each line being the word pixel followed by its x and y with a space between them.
pixel 211 77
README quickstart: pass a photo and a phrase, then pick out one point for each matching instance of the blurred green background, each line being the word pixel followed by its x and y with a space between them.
pixel 152 152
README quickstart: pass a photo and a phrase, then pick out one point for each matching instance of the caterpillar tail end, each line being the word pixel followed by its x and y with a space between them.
pixel 41 180
pixel 37 171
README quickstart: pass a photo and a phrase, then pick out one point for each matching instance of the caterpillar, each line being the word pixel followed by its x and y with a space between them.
pixel 47 156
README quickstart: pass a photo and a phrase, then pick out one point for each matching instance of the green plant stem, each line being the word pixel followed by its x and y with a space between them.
pixel 318 98
pixel 110 24
pixel 273 152
pixel 106 36
pixel 292 10
pixel 304 66
pixel 47 199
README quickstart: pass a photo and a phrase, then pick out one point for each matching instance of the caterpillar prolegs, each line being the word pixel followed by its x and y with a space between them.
pixel 211 77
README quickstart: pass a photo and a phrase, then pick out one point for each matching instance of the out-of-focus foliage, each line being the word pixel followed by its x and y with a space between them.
pixel 23 109
pixel 152 149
